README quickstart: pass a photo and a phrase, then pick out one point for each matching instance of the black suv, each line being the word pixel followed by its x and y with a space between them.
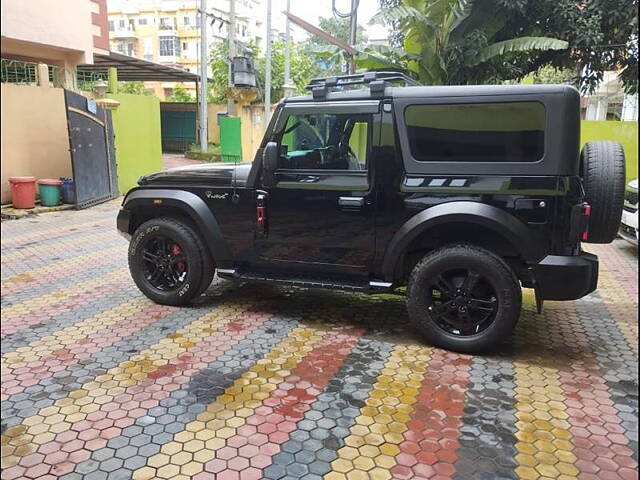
pixel 455 196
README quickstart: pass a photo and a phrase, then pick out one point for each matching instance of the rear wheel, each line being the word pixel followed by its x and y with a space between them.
pixel 464 298
pixel 602 168
pixel 166 261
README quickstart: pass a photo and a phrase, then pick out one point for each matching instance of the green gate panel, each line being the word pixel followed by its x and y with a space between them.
pixel 136 123
pixel 230 139
pixel 178 129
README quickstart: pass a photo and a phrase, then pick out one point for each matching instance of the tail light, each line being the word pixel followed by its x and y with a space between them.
pixel 261 214
pixel 586 213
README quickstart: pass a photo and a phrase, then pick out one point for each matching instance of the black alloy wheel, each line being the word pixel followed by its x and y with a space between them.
pixel 168 261
pixel 462 302
pixel 464 298
pixel 165 263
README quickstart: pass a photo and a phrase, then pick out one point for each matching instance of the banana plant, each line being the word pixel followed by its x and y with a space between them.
pixel 434 28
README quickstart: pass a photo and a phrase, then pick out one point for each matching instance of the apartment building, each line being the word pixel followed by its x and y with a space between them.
pixel 167 32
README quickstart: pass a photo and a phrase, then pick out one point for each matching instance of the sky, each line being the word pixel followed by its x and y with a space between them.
pixel 311 10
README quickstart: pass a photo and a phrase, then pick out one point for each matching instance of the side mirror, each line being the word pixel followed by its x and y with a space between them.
pixel 270 157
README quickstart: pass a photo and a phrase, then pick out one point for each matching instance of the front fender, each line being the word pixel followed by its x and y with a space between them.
pixel 473 213
pixel 195 208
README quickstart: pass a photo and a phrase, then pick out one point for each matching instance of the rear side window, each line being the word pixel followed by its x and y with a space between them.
pixel 479 132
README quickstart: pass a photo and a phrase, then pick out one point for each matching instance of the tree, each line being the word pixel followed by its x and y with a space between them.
pixel 180 95
pixel 332 59
pixel 489 41
pixel 445 40
pixel 552 75
pixel 136 88
pixel 303 68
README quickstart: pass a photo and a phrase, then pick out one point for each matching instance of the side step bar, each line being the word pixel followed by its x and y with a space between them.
pixel 374 286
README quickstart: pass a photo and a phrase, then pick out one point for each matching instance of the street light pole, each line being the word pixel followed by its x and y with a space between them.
pixel 288 84
pixel 204 141
pixel 231 104
pixel 267 70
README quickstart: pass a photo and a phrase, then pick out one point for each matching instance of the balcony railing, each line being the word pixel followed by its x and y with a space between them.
pixel 124 33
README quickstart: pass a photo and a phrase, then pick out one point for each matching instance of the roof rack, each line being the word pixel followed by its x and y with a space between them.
pixel 377 82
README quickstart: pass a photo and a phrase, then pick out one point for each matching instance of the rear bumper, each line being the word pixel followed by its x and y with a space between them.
pixel 629 226
pixel 566 277
pixel 122 223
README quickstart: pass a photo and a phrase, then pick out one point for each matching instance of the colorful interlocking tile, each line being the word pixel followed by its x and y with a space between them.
pixel 257 382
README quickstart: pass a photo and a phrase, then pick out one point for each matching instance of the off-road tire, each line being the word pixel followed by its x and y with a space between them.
pixel 188 240
pixel 208 267
pixel 494 270
pixel 602 169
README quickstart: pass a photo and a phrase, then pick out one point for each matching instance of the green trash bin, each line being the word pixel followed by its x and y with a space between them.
pixel 50 192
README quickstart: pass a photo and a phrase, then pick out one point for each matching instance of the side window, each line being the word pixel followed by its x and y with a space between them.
pixel 484 132
pixel 325 141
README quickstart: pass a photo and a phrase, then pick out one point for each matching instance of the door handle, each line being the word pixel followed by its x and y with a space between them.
pixel 353 202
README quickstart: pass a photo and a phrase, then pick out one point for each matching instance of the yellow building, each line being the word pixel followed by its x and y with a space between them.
pixel 167 32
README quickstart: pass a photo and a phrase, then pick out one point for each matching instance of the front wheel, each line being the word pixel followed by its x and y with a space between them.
pixel 464 298
pixel 166 261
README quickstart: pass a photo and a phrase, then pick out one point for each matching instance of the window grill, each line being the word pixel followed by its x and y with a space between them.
pixel 17 71
pixel 87 80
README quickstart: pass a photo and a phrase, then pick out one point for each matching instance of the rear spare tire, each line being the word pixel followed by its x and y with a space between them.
pixel 603 175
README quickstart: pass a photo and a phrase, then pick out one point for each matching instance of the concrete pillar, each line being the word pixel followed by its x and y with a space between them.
pixel 43 75
pixel 113 80
pixel 69 76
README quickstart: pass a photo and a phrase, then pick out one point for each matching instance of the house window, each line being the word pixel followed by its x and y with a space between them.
pixel 185 46
pixel 169 46
pixel 142 21
pixel 121 23
pixel 186 20
pixel 147 48
pixel 111 26
pixel 476 132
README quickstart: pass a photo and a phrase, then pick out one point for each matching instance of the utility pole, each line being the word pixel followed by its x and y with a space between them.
pixel 353 30
pixel 204 141
pixel 288 86
pixel 231 104
pixel 267 70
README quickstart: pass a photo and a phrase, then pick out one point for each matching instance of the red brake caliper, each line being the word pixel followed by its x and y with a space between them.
pixel 175 251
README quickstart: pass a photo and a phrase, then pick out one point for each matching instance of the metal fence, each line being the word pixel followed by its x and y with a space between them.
pixel 26 73
pixel 16 71
pixel 87 80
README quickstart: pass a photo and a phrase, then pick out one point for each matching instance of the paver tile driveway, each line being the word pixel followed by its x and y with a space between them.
pixel 259 382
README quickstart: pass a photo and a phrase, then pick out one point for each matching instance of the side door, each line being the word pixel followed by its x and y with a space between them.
pixel 320 206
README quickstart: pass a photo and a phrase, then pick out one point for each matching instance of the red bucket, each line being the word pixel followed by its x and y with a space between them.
pixel 23 191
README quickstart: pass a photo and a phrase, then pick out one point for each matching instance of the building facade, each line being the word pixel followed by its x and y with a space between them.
pixel 168 32
pixel 610 102
pixel 43 42
pixel 39 32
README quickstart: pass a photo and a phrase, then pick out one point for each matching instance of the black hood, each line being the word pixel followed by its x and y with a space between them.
pixel 214 175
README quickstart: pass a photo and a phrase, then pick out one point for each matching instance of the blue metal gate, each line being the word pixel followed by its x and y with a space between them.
pixel 92 150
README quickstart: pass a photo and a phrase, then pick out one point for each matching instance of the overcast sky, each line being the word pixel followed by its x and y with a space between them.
pixel 311 10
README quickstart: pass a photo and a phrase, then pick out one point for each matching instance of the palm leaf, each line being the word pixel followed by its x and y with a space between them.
pixel 522 44
pixel 371 61
pixel 400 13
pixel 483 16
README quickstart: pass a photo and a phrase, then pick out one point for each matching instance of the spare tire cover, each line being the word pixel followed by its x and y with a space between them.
pixel 603 175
